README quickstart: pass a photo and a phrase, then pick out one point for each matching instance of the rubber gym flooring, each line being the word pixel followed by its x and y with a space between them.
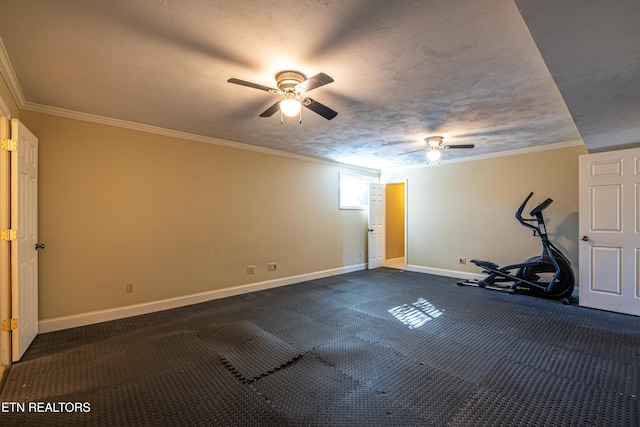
pixel 370 348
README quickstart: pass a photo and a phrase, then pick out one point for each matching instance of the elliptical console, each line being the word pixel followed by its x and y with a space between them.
pixel 548 275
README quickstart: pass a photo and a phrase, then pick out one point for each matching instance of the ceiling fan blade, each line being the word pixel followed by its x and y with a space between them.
pixel 252 85
pixel 314 82
pixel 319 108
pixel 271 110
pixel 414 151
pixel 458 146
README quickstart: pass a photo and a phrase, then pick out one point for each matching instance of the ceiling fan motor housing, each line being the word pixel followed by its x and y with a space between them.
pixel 288 80
pixel 434 141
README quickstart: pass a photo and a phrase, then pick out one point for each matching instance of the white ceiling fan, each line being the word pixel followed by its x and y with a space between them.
pixel 293 85
pixel 435 144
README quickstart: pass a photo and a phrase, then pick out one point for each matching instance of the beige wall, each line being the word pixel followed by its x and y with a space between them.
pixel 467 209
pixel 394 221
pixel 176 217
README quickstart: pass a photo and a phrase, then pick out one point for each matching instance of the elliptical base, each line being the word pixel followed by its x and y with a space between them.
pixel 480 283
pixel 510 289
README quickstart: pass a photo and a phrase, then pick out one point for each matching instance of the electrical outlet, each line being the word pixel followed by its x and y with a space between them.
pixel 462 260
pixel 130 287
pixel 272 266
pixel 251 269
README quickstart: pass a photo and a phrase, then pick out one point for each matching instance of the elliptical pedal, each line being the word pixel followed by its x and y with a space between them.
pixel 485 264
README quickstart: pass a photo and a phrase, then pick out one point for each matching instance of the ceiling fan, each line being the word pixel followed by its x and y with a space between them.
pixel 434 145
pixel 293 85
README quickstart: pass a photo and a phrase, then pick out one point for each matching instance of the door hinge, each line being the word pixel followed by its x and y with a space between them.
pixel 9 235
pixel 9 324
pixel 9 144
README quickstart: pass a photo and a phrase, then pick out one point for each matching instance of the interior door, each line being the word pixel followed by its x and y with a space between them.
pixel 24 255
pixel 376 225
pixel 5 255
pixel 609 228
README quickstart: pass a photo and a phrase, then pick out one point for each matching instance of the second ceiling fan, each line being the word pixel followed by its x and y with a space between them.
pixel 293 85
pixel 434 145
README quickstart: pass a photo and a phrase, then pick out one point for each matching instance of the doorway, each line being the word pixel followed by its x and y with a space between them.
pixel 396 220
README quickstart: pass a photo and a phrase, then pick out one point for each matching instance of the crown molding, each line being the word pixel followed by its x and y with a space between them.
pixel 75 115
pixel 518 151
pixel 6 69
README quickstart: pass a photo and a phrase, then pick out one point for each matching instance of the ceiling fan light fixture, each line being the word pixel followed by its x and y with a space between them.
pixel 290 107
pixel 433 155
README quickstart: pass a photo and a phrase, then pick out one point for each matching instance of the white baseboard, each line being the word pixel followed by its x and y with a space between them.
pixel 83 319
pixel 442 272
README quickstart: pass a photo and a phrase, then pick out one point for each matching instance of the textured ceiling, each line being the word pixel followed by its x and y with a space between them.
pixel 592 49
pixel 468 70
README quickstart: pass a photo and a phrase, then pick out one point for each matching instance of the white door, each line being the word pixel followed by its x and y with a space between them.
pixel 609 231
pixel 24 255
pixel 376 225
pixel 5 255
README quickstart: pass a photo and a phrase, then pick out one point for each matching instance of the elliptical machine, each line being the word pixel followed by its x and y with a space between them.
pixel 548 275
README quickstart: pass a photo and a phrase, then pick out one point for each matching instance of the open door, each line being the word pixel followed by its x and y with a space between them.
pixel 23 239
pixel 610 231
pixel 5 254
pixel 376 225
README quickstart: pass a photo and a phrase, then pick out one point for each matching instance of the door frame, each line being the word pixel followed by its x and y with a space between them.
pixel 406 218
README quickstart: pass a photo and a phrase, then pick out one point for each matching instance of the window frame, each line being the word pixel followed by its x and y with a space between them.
pixel 354 177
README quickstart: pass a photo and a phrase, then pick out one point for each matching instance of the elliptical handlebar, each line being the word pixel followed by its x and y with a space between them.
pixel 537 212
pixel 521 220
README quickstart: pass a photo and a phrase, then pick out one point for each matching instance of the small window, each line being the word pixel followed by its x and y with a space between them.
pixel 354 191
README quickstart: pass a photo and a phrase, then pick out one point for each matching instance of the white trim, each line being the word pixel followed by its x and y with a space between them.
pixel 6 69
pixel 517 151
pixel 442 272
pixel 83 319
pixel 92 118
pixel 406 217
pixel 4 109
